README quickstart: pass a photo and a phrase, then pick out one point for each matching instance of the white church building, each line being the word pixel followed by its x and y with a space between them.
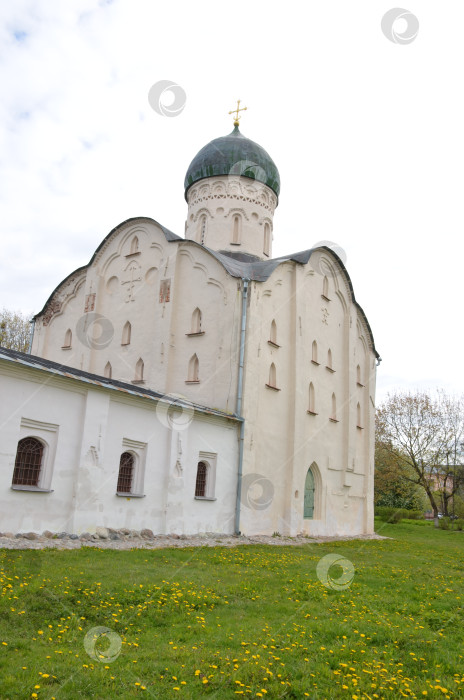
pixel 195 384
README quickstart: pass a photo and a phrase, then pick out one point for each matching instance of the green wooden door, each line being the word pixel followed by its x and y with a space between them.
pixel 309 495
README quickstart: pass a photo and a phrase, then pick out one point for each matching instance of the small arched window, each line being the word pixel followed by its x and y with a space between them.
pixel 314 353
pixel 273 333
pixel 267 240
pixel 28 462
pixel 272 375
pixel 126 473
pixel 329 359
pixel 325 287
pixel 67 339
pixel 139 370
pixel 236 230
pixel 334 408
pixel 126 333
pixel 193 369
pixel 201 480
pixel 108 371
pixel 312 398
pixel 196 321
pixel 134 248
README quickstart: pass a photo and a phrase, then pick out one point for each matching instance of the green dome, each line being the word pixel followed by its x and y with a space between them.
pixel 233 155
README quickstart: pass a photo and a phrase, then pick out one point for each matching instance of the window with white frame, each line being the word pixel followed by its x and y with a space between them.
pixel 205 480
pixel 35 455
pixel 131 472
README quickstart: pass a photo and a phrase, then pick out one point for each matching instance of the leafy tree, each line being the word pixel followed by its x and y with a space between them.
pixel 15 330
pixel 425 437
pixel 390 486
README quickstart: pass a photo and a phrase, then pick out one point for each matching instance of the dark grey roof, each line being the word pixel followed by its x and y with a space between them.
pixel 58 369
pixel 260 270
pixel 251 267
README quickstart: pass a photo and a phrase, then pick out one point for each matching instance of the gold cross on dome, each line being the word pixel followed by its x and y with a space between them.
pixel 236 111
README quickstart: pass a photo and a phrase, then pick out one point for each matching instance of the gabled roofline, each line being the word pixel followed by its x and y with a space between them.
pixel 261 270
pixel 169 235
pixel 256 270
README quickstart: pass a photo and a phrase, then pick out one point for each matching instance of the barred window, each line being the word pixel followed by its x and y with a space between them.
pixel 29 457
pixel 200 486
pixel 126 471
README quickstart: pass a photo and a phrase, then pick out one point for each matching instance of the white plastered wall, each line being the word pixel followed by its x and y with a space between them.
pixel 93 427
pixel 218 200
pixel 282 440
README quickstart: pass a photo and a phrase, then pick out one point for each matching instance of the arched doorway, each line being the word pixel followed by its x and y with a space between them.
pixel 309 495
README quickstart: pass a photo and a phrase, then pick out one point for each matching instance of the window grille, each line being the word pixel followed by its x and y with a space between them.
pixel 200 486
pixel 126 469
pixel 28 462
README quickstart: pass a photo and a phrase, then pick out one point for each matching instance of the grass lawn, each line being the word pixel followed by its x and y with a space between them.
pixel 252 621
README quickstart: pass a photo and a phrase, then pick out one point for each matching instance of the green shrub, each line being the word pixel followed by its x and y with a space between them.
pixel 444 523
pixel 389 514
pixel 414 515
pixel 459 524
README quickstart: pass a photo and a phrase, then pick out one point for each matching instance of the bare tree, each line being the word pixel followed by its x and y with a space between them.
pixel 15 330
pixel 425 435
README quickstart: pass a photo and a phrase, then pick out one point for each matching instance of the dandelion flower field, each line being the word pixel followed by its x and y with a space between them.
pixel 249 621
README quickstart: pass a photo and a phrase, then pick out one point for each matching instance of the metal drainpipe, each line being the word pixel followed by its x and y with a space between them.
pixel 31 336
pixel 239 403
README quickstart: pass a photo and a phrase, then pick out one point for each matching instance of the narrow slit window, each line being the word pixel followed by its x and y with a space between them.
pixel 194 369
pixel 201 230
pixel 334 408
pixel 358 375
pixel 126 473
pixel 325 287
pixel 67 339
pixel 272 375
pixel 126 333
pixel 267 240
pixel 314 353
pixel 108 371
pixel 312 398
pixel 236 230
pixel 196 321
pixel 273 333
pixel 134 248
pixel 139 370
pixel 28 463
pixel 329 359
pixel 358 415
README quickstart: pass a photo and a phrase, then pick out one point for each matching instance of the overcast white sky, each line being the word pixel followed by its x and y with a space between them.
pixel 367 134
